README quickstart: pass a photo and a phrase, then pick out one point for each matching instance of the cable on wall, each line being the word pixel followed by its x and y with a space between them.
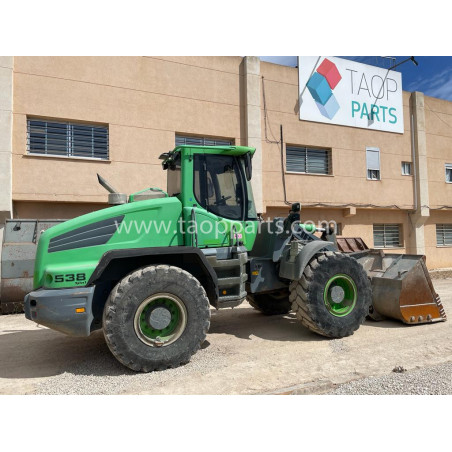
pixel 283 173
pixel 274 141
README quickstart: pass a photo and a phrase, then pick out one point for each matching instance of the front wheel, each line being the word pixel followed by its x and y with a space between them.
pixel 333 296
pixel 155 318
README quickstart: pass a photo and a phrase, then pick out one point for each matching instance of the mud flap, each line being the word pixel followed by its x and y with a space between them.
pixel 402 288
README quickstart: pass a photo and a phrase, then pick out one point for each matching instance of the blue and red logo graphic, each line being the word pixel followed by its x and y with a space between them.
pixel 321 86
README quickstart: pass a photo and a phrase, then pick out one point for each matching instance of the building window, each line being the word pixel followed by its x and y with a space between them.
pixel 406 168
pixel 308 160
pixel 373 163
pixel 387 236
pixel 444 234
pixel 66 139
pixel 449 173
pixel 202 141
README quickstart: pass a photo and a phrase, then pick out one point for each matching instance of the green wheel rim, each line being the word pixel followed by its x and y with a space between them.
pixel 340 295
pixel 160 320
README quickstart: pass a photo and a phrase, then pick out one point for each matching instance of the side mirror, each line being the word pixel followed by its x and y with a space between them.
pixel 248 166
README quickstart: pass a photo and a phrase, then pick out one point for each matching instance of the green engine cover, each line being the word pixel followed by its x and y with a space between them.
pixel 68 253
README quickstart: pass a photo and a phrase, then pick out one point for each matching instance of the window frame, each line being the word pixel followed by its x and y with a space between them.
pixel 69 145
pixel 329 152
pixel 244 213
pixel 448 167
pixel 385 245
pixel 444 244
pixel 368 169
pixel 410 166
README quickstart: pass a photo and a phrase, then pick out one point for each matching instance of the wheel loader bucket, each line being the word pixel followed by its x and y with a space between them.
pixel 402 288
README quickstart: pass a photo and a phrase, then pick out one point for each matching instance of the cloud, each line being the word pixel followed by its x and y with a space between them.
pixel 440 85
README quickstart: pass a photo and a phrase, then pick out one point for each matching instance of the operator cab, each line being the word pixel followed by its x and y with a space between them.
pixel 221 182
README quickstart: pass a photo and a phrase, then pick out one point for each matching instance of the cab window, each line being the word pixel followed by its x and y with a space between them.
pixel 218 185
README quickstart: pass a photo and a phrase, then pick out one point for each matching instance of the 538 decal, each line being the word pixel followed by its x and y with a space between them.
pixel 78 278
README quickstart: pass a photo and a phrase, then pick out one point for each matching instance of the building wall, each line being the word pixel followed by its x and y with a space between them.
pixel 54 210
pixel 348 183
pixel 438 119
pixel 146 101
pixel 6 115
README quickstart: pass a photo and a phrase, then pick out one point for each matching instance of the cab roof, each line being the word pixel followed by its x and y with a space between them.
pixel 228 150
pixel 171 156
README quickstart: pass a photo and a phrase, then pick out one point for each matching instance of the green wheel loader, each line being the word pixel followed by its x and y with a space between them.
pixel 147 269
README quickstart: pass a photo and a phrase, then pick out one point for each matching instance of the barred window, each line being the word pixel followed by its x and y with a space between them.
pixel 387 236
pixel 373 163
pixel 67 139
pixel 308 160
pixel 202 141
pixel 444 234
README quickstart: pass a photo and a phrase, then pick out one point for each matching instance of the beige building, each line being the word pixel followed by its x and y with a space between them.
pixel 64 119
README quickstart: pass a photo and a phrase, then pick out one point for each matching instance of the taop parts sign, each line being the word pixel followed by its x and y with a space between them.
pixel 338 91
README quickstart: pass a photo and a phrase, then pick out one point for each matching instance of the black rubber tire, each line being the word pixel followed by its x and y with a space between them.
pixel 306 295
pixel 271 304
pixel 123 302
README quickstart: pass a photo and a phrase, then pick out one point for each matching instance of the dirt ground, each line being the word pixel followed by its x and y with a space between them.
pixel 245 353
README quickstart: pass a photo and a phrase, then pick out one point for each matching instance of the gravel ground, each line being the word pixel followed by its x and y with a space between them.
pixel 100 374
pixel 245 353
pixel 434 380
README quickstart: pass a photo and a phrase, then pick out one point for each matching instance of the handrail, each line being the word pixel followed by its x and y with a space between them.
pixel 194 240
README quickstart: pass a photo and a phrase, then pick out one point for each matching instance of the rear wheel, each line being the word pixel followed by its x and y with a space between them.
pixel 155 318
pixel 333 296
pixel 275 303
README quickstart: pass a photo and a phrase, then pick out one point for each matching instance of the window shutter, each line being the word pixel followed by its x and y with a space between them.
pixel 67 139
pixel 296 160
pixel 373 158
pixel 308 160
pixel 444 234
pixel 387 235
pixel 201 141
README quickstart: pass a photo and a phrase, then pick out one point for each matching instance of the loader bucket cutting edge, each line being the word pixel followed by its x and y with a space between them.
pixel 402 288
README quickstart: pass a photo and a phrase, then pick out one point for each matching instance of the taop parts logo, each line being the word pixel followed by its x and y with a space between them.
pixel 344 92
pixel 321 86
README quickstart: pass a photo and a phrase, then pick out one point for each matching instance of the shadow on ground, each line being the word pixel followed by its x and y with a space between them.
pixel 244 323
pixel 44 353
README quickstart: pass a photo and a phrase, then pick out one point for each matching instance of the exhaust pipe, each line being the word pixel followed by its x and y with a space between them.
pixel 114 198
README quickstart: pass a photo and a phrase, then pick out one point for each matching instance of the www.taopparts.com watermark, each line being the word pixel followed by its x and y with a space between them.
pixel 222 227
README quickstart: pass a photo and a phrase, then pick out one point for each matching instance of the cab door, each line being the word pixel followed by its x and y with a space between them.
pixel 217 217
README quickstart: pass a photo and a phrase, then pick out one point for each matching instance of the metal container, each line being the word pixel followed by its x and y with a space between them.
pixel 18 258
pixel 402 288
